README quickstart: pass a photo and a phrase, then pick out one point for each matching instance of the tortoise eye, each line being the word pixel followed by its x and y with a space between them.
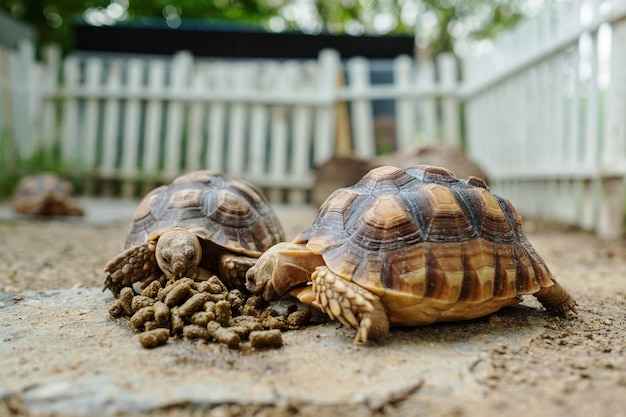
pixel 190 253
pixel 167 257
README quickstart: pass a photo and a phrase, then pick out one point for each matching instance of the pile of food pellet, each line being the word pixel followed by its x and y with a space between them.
pixel 205 310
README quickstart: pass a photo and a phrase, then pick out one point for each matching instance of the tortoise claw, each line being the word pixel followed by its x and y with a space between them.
pixel 351 304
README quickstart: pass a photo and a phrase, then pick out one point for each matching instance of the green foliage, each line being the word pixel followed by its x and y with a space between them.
pixel 438 24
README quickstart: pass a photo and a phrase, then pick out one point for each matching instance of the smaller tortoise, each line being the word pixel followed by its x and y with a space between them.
pixel 200 220
pixel 45 195
pixel 410 247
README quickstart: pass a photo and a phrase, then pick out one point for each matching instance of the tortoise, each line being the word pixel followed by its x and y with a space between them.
pixel 410 247
pixel 45 194
pixel 200 221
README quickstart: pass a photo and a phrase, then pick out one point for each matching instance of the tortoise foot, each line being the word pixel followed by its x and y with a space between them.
pixel 351 304
pixel 557 300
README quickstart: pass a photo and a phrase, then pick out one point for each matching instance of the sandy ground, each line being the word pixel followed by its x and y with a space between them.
pixel 574 367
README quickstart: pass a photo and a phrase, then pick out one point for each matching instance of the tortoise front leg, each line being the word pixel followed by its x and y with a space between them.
pixel 351 304
pixel 134 264
pixel 232 269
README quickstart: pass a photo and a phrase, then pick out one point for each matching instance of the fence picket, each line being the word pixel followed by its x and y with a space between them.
pixel 361 110
pixel 405 112
pixel 91 129
pixel 174 140
pixel 154 120
pixel 69 132
pixel 131 126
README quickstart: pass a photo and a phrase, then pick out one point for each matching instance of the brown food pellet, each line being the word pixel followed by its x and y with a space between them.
pixel 161 313
pixel 141 317
pixel 141 301
pixel 202 318
pixel 261 339
pixel 152 290
pixel 193 304
pixel 126 300
pixel 209 306
pixel 272 322
pixel 223 335
pixel 299 318
pixel 151 325
pixel 235 298
pixel 116 310
pixel 223 313
pixel 154 338
pixel 213 285
pixel 193 331
pixel 177 323
pixel 178 293
pixel 247 322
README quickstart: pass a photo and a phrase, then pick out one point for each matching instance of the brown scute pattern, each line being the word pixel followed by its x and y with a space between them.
pixel 426 234
pixel 230 214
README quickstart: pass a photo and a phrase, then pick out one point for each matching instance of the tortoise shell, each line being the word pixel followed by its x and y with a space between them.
pixel 232 214
pixel 422 236
pixel 45 195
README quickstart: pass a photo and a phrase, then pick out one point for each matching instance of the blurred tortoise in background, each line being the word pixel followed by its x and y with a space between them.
pixel 344 171
pixel 45 195
pixel 410 247
pixel 200 220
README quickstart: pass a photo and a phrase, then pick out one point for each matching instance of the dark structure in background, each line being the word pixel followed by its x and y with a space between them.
pixel 223 40
pixel 12 32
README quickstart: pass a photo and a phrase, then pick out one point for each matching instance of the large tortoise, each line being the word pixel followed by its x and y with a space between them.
pixel 45 194
pixel 201 220
pixel 410 247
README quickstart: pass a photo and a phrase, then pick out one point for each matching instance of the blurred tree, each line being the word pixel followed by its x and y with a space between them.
pixel 437 24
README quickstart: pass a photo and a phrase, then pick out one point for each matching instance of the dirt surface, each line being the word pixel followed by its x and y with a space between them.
pixel 573 367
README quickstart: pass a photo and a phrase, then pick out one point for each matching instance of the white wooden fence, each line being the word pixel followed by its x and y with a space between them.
pixel 149 120
pixel 546 114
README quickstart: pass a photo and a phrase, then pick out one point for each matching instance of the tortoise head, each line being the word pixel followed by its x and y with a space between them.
pixel 178 253
pixel 281 268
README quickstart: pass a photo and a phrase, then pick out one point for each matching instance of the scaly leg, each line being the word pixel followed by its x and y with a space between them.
pixel 557 300
pixel 351 304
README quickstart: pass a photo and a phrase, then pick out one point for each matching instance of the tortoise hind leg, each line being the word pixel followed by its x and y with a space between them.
pixel 556 300
pixel 351 304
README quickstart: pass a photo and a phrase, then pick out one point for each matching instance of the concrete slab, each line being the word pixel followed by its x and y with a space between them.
pixel 62 353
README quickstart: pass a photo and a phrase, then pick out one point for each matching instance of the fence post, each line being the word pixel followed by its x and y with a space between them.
pixel 611 209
